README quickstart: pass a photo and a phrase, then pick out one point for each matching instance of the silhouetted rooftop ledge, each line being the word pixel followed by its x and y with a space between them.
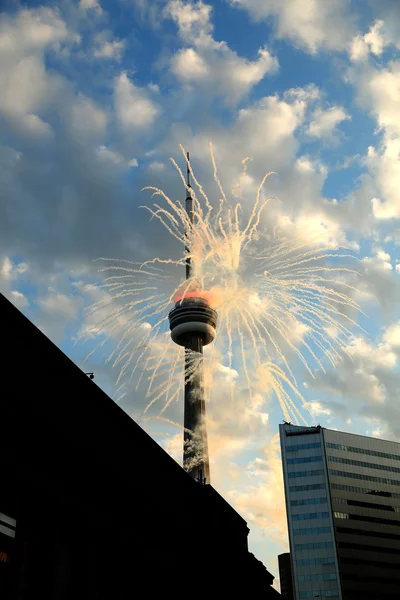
pixel 75 408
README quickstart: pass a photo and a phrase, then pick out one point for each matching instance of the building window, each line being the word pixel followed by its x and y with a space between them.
pixel 313 473
pixel 368 548
pixel 306 516
pixel 362 476
pixel 320 594
pixel 377 534
pixel 372 563
pixel 7 525
pixel 7 535
pixel 309 501
pixel 371 505
pixel 357 490
pixel 361 463
pixel 307 488
pixel 303 447
pixel 376 579
pixel 314 546
pixel 363 451
pixel 317 577
pixel 304 459
pixel 311 531
pixel 327 560
pixel 367 519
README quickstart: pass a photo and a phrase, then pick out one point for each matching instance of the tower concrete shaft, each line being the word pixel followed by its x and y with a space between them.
pixel 195 445
pixel 193 325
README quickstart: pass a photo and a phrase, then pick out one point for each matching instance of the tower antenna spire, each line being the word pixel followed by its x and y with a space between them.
pixel 188 169
pixel 189 210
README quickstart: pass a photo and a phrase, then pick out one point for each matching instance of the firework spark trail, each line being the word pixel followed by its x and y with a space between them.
pixel 272 304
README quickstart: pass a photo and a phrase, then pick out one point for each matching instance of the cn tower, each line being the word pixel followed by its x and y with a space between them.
pixel 193 325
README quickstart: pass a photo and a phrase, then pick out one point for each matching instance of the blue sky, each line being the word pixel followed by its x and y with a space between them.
pixel 95 97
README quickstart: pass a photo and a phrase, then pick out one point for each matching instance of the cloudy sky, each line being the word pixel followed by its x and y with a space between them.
pixel 95 96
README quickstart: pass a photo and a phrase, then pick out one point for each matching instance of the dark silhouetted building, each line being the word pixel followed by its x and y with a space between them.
pixel 285 576
pixel 90 506
pixel 343 509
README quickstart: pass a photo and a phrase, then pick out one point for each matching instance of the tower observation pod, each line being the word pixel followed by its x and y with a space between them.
pixel 193 325
pixel 193 319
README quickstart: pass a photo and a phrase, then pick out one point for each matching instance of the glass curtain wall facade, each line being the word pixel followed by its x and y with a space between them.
pixel 309 513
pixel 343 508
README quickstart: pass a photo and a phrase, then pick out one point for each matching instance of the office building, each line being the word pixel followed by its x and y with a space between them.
pixel 343 509
pixel 285 576
pixel 90 506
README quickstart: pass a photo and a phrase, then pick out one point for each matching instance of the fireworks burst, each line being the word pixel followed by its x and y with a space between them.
pixel 275 298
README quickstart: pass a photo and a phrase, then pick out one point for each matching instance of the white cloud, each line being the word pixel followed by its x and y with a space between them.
pixel 261 499
pixel 87 122
pixel 34 125
pixel 307 166
pixel 383 34
pixel 324 122
pixel 107 48
pixel 221 70
pixel 188 65
pixel 193 20
pixel 60 304
pixel 19 299
pixel 133 107
pixel 378 282
pixel 317 409
pixel 371 355
pixel 379 91
pixel 392 336
pixel 56 311
pixel 31 30
pixel 226 372
pixel 374 41
pixel 316 229
pixel 10 270
pixel 379 431
pixel 90 5
pixel 268 132
pixel 10 274
pixel 157 167
pixel 312 24
pixel 269 119
pixel 385 166
pixel 25 86
pixel 265 131
pixel 115 158
pixel 367 382
pixel 210 64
